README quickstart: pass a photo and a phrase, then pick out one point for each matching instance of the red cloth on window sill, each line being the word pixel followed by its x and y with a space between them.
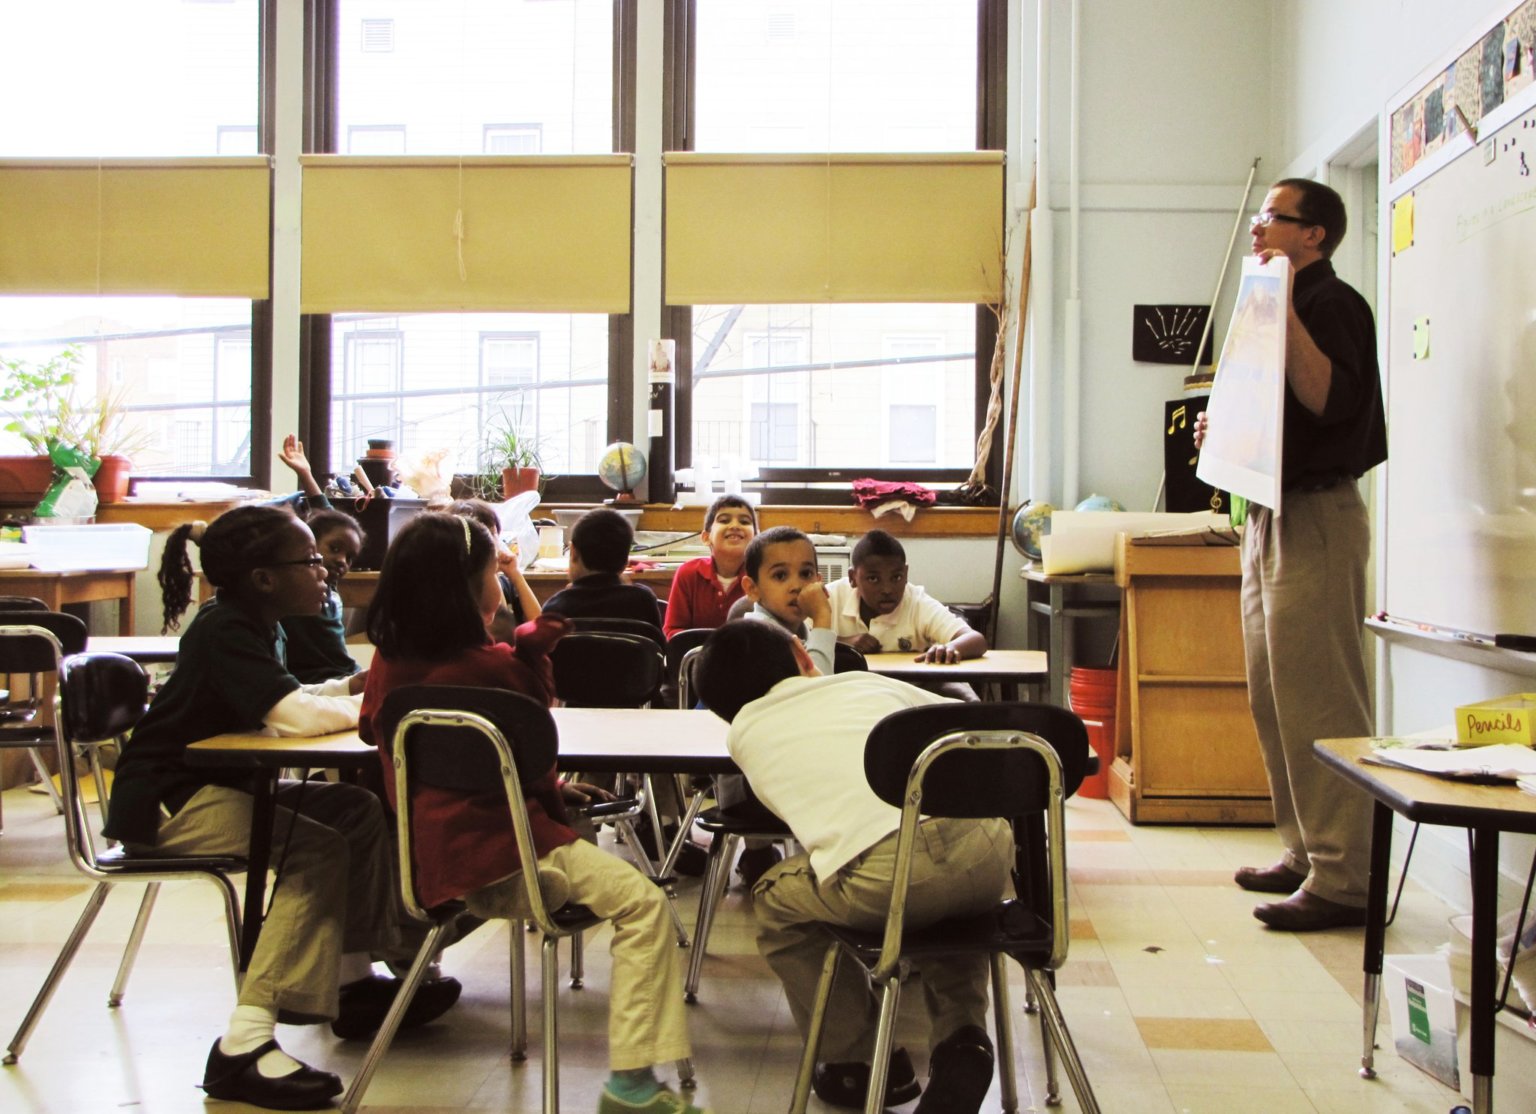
pixel 869 492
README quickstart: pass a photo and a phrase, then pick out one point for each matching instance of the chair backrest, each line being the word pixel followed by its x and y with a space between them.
pixel 622 626
pixel 472 741
pixel 677 648
pixel 26 655
pixel 607 669
pixel 845 659
pixel 22 603
pixel 979 782
pixel 685 670
pixel 102 696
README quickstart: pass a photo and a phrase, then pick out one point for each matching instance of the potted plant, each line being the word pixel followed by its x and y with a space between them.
pixel 46 412
pixel 513 451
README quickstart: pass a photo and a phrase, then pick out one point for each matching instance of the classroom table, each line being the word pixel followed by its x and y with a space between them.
pixel 1007 668
pixel 594 740
pixel 1485 811
pixel 76 586
pixel 143 648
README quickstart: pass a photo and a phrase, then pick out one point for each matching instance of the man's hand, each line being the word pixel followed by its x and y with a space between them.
pixel 940 653
pixel 1201 424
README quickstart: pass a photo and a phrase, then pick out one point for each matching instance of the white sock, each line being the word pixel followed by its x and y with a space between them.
pixel 251 1027
pixel 353 967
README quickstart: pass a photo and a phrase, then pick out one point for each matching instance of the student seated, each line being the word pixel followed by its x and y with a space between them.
pixel 519 604
pixel 438 593
pixel 877 611
pixel 704 588
pixel 783 583
pixel 599 551
pixel 336 904
pixel 799 737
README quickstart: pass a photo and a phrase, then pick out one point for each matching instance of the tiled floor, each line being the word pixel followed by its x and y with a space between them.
pixel 1178 1000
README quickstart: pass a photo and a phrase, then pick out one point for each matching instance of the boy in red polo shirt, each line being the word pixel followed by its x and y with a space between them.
pixel 704 588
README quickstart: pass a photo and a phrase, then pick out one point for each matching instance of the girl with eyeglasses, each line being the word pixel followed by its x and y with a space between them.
pixel 335 903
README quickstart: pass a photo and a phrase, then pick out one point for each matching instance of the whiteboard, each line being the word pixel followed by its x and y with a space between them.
pixel 1461 395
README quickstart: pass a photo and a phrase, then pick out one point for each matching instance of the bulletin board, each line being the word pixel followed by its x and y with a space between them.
pixel 1460 508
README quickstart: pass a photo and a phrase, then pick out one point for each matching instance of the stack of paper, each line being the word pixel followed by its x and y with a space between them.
pixel 1505 762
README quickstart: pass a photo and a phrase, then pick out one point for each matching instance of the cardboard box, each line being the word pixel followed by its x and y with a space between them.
pixel 1505 719
pixel 1423 1010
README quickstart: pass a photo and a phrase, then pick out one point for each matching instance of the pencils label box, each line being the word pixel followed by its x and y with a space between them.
pixel 1505 719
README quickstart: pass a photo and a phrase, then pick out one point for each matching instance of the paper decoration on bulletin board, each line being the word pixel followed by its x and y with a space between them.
pixel 1421 338
pixel 1168 334
pixel 1183 491
pixel 1402 224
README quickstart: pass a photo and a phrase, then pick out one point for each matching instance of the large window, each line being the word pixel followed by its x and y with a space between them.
pixel 798 391
pixel 105 79
pixel 472 77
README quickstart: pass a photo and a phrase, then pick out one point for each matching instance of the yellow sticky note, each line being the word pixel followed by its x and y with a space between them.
pixel 1421 338
pixel 1402 224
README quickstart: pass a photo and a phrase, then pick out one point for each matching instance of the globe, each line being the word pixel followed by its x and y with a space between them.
pixel 1096 502
pixel 1031 522
pixel 621 467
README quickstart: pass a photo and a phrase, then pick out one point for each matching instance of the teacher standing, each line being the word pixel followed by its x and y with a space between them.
pixel 1303 594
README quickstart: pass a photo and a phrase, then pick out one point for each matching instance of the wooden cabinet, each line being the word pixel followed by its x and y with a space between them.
pixel 1185 747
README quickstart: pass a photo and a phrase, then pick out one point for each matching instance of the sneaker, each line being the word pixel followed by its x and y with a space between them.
pixel 365 1003
pixel 847 1084
pixel 754 863
pixel 664 1101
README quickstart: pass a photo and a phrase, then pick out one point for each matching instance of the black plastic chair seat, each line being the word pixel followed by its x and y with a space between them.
pixel 1009 927
pixel 574 918
pixel 722 822
pixel 117 861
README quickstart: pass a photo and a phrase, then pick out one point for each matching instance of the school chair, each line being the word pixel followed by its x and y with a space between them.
pixel 473 741
pixel 21 725
pixel 100 698
pixel 622 626
pixel 1010 760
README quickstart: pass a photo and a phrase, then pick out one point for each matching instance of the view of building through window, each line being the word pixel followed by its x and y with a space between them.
pixel 184 364
pixel 474 77
pixel 828 386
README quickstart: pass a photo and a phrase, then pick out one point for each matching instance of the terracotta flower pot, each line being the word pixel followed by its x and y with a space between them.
pixel 24 479
pixel 515 481
pixel 111 479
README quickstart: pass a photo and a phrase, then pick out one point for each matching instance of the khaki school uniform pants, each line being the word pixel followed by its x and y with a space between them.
pixel 959 868
pixel 1303 604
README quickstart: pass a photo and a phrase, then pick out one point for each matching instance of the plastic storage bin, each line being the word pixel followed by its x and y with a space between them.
pixel 114 545
pixel 1423 1010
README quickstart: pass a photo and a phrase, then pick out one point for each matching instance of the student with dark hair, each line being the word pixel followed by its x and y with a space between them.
pixel 784 584
pixel 519 604
pixel 704 588
pixel 337 903
pixel 437 594
pixel 799 737
pixel 317 644
pixel 599 550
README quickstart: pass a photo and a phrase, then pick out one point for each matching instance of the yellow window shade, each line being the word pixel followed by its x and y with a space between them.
pixel 193 227
pixel 839 228
pixel 531 233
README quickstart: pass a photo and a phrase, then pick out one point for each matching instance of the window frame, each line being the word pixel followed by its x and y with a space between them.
pixel 798 485
pixel 322 45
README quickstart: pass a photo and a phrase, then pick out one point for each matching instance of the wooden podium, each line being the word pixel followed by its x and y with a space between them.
pixel 1185 748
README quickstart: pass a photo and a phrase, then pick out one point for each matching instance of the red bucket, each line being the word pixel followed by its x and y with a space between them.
pixel 1092 697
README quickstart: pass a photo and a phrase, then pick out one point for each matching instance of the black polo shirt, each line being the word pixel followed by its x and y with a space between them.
pixel 1349 438
pixel 604 595
pixel 229 674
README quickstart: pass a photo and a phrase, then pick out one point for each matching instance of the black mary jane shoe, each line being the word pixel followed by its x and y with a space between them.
pixel 365 1003
pixel 237 1079
pixel 959 1073
pixel 846 1084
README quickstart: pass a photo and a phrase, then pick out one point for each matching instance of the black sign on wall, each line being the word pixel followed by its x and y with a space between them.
pixel 1168 334
pixel 1185 493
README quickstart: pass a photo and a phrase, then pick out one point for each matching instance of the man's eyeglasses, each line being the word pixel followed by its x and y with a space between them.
pixel 1264 220
pixel 314 560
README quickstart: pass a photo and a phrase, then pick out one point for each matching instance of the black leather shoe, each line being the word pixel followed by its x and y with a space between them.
pixel 237 1079
pixel 1277 879
pixel 847 1084
pixel 1306 912
pixel 365 1003
pixel 754 863
pixel 959 1073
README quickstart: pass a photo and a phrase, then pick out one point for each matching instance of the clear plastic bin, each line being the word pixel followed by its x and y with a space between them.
pixel 117 545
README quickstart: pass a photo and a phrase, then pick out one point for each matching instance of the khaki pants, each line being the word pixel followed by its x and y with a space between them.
pixel 646 1022
pixel 1303 603
pixel 959 867
pixel 336 890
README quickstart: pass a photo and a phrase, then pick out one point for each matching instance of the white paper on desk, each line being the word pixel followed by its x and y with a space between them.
pixel 1508 761
pixel 1084 541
